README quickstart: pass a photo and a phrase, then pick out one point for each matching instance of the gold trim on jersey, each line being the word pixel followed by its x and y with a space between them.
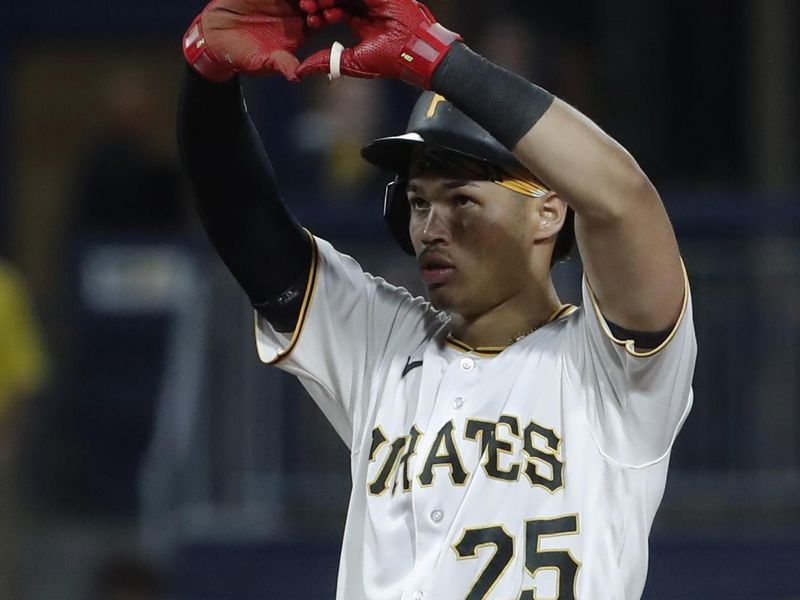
pixel 629 345
pixel 566 309
pixel 310 288
pixel 452 341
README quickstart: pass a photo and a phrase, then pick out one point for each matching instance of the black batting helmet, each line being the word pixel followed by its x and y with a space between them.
pixel 438 125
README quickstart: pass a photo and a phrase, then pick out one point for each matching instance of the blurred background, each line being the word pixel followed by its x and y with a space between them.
pixel 144 452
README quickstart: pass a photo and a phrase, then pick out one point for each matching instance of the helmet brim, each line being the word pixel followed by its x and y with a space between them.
pixel 394 153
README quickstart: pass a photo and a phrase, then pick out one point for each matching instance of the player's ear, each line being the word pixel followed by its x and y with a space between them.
pixel 549 214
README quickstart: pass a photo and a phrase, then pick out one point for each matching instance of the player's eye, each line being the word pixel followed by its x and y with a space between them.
pixel 462 201
pixel 418 204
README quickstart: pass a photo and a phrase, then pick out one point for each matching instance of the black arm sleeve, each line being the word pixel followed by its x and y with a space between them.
pixel 503 103
pixel 238 201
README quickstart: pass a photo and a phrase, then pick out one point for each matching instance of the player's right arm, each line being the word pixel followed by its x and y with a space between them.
pixel 234 184
pixel 320 317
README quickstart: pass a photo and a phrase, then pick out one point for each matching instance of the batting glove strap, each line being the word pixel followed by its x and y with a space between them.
pixel 200 57
pixel 423 52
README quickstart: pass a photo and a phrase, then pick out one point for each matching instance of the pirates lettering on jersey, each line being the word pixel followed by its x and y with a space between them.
pixel 444 452
pixel 548 457
pixel 411 450
pixel 538 447
pixel 387 471
pixel 486 433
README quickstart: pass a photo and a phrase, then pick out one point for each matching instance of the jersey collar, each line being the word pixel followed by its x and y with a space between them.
pixel 452 341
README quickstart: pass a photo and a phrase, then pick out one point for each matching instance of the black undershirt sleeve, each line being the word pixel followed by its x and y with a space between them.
pixel 238 201
pixel 642 340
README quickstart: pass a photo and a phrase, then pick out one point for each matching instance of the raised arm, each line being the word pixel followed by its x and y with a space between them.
pixel 233 181
pixel 626 240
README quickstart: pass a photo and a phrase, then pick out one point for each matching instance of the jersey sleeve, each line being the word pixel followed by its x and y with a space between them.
pixel 350 322
pixel 637 400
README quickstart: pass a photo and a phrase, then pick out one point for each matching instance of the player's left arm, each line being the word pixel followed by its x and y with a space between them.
pixel 625 238
pixel 626 241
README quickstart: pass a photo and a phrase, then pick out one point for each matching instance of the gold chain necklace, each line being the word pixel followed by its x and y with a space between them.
pixel 550 319
pixel 517 338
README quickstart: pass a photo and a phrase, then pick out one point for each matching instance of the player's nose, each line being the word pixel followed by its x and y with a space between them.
pixel 436 229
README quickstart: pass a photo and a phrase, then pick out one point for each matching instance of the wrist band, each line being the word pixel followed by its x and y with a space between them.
pixel 200 57
pixel 335 66
pixel 423 52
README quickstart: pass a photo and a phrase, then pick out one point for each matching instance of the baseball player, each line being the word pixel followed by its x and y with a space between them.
pixel 503 445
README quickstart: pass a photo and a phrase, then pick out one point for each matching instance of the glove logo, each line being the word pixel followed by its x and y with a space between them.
pixel 407 57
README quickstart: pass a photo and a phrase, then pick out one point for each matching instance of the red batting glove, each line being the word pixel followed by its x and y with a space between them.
pixel 398 39
pixel 256 37
pixel 322 12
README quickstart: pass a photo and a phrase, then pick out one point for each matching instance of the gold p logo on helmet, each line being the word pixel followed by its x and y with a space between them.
pixel 435 101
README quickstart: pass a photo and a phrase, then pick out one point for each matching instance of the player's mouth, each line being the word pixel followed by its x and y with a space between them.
pixel 436 269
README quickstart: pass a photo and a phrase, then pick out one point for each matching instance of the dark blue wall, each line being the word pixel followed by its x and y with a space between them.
pixel 97 17
pixel 678 570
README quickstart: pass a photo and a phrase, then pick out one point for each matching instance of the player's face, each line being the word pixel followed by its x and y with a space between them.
pixel 473 240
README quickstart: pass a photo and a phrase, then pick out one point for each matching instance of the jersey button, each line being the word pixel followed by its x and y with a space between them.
pixel 458 402
pixel 419 595
pixel 437 516
pixel 467 364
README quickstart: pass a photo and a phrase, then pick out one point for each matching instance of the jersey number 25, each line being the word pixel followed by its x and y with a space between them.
pixel 536 559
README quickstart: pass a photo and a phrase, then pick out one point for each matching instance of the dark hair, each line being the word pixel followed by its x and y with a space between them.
pixel 425 159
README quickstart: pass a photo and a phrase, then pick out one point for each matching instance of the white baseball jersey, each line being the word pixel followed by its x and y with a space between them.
pixel 527 472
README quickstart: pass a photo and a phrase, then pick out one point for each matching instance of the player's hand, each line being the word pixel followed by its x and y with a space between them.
pixel 398 39
pixel 325 12
pixel 256 37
